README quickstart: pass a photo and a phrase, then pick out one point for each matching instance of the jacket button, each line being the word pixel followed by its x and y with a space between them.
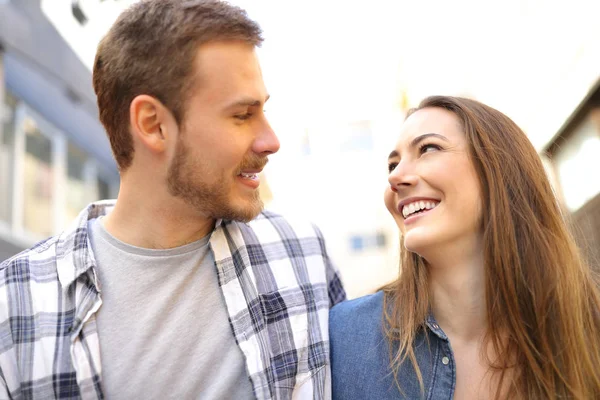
pixel 445 360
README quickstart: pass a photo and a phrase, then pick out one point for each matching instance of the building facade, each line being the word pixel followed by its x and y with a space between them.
pixel 54 154
pixel 574 163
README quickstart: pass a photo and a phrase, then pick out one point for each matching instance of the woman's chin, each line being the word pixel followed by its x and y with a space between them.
pixel 415 247
pixel 417 242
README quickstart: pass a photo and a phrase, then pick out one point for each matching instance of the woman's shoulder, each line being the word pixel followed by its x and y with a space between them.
pixel 359 350
pixel 357 312
pixel 366 303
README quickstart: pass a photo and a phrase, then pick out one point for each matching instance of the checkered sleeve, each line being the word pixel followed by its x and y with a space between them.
pixel 16 336
pixel 3 389
pixel 335 286
pixel 29 334
pixel 45 353
pixel 279 284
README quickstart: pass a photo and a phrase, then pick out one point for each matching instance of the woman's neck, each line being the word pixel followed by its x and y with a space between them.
pixel 457 290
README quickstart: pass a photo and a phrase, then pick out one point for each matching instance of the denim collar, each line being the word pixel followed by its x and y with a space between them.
pixel 434 327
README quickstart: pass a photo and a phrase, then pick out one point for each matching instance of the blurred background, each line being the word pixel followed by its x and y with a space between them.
pixel 342 75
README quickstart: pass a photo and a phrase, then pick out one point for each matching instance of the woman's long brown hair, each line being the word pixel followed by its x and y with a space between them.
pixel 542 299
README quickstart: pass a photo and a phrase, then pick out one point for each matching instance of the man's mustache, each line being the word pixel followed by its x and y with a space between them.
pixel 253 162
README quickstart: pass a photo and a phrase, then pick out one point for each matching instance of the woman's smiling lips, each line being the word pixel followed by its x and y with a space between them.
pixel 413 207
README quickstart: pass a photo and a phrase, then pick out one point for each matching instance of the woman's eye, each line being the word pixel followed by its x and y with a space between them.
pixel 429 147
pixel 392 166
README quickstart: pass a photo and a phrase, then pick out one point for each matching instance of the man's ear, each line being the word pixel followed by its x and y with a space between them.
pixel 148 119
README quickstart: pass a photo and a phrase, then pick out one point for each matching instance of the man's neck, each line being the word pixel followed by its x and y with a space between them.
pixel 156 221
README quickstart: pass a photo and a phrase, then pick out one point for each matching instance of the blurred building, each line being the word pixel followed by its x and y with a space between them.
pixel 564 126
pixel 574 163
pixel 54 154
pixel 334 174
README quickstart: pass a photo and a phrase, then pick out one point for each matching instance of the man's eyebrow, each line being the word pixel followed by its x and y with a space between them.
pixel 418 140
pixel 247 102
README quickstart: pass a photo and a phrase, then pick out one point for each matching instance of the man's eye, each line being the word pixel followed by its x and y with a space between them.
pixel 243 117
pixel 392 166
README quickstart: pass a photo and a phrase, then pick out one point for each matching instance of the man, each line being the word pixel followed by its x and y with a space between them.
pixel 182 288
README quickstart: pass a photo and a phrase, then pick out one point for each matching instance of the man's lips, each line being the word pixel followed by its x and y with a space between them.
pixel 250 170
pixel 252 174
pixel 250 177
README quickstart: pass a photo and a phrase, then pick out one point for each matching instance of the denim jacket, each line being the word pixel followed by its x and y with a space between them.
pixel 360 356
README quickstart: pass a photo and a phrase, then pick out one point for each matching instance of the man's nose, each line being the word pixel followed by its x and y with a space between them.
pixel 266 141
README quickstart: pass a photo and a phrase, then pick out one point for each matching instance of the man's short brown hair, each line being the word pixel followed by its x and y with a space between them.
pixel 150 50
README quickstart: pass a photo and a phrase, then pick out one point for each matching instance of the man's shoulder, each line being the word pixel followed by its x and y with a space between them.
pixel 270 224
pixel 22 277
pixel 70 239
pixel 281 245
pixel 43 251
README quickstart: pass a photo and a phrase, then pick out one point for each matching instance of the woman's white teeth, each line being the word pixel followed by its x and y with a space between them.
pixel 417 206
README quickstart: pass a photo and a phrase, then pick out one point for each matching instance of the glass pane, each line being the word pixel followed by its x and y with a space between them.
pixel 356 243
pixel 77 195
pixel 7 118
pixel 38 181
pixel 577 158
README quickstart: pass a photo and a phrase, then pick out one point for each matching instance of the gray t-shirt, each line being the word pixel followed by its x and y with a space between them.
pixel 163 326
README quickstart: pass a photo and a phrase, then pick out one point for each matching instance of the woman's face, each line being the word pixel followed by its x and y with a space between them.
pixel 434 193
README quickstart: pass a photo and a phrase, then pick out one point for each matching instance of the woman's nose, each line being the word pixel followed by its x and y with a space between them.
pixel 402 176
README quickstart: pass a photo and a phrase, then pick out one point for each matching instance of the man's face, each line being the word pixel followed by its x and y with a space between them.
pixel 225 138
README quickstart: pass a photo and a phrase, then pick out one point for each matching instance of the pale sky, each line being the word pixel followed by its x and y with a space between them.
pixel 350 60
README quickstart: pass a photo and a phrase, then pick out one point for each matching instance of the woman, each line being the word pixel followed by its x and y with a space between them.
pixel 494 300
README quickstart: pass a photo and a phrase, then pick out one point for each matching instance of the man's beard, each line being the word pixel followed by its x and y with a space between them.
pixel 211 199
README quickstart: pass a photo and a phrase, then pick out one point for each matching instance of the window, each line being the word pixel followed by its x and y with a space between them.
pixel 359 243
pixel 576 162
pixel 77 195
pixel 7 119
pixel 576 158
pixel 38 181
pixel 45 180
pixel 356 243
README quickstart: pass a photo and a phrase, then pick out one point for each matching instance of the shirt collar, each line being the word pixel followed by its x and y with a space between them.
pixel 74 255
pixel 434 327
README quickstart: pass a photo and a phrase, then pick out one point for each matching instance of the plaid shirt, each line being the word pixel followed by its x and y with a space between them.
pixel 276 278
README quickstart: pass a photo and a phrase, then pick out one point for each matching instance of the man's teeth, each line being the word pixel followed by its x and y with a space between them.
pixel 248 175
pixel 417 206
